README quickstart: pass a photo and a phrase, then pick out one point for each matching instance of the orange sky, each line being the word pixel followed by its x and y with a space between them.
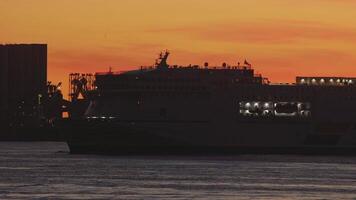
pixel 281 38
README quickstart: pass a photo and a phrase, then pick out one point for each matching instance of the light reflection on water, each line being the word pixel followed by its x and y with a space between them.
pixel 46 170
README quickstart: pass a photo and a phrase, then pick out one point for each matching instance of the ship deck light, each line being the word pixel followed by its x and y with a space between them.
pixel 247 112
pixel 266 112
pixel 299 105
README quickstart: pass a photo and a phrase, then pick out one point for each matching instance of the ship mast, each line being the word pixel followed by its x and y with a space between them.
pixel 161 62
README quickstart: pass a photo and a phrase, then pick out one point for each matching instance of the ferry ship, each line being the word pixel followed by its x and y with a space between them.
pixel 171 109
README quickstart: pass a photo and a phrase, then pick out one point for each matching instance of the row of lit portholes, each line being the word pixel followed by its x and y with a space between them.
pixel 256 109
pixel 303 113
pixel 271 105
pixel 331 81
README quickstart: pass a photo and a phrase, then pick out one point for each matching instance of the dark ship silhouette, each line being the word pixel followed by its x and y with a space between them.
pixel 170 109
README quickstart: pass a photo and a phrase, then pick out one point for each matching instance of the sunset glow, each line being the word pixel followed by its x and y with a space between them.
pixel 281 38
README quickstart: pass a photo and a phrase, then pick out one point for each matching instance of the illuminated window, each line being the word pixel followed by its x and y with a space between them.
pixel 266 112
pixel 299 105
pixel 266 105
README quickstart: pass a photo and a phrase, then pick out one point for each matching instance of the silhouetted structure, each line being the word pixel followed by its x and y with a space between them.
pixel 80 84
pixel 172 109
pixel 81 91
pixel 23 79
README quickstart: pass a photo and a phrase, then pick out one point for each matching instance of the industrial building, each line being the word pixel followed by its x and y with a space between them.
pixel 23 77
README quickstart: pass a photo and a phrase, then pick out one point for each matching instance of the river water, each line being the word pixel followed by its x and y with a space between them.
pixel 46 170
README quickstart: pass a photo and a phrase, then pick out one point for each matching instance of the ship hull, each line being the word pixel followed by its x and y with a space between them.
pixel 102 149
pixel 133 138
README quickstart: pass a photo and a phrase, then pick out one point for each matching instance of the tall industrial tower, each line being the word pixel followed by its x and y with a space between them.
pixel 23 76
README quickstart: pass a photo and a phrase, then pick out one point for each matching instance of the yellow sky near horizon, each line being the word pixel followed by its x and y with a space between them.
pixel 282 38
